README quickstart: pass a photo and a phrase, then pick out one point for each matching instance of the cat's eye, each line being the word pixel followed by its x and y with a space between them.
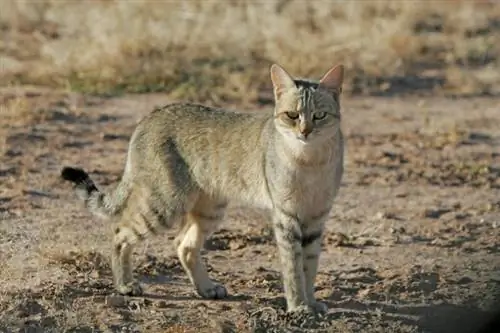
pixel 319 115
pixel 292 115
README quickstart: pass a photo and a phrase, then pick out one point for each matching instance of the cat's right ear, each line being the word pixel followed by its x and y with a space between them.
pixel 333 79
pixel 282 81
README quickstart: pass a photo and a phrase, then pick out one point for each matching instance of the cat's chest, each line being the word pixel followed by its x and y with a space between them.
pixel 307 193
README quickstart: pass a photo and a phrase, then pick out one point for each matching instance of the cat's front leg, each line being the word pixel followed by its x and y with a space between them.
pixel 311 248
pixel 289 241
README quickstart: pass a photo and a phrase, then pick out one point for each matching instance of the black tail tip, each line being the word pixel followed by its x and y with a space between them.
pixel 74 175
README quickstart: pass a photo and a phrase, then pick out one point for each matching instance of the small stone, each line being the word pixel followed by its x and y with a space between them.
pixel 99 299
pixel 268 277
pixel 116 301
pixel 111 137
pixel 367 242
pixel 435 213
pixel 380 215
pixel 236 245
pixel 464 280
pixel 397 230
pixel 161 304
pixel 363 293
pixel 136 305
pixel 441 242
pixel 339 239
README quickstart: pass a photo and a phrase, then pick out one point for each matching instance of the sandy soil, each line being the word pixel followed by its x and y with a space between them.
pixel 412 246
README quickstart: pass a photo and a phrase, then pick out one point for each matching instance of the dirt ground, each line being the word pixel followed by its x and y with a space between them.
pixel 412 244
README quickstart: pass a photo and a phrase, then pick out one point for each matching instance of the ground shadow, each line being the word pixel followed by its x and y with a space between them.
pixel 439 318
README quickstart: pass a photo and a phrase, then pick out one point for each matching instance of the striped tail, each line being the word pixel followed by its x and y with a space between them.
pixel 97 202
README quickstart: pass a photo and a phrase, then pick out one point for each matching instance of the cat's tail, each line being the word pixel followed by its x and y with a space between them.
pixel 97 202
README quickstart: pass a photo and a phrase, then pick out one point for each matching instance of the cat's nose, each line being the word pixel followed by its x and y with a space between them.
pixel 305 131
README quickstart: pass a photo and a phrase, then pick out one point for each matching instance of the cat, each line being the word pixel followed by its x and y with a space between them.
pixel 186 162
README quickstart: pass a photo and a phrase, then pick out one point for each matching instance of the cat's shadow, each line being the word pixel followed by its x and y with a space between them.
pixel 442 318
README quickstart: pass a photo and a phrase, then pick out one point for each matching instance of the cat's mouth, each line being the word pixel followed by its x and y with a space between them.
pixel 304 139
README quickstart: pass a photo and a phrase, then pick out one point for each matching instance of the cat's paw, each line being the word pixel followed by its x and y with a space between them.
pixel 319 307
pixel 130 289
pixel 215 291
pixel 301 309
pixel 303 316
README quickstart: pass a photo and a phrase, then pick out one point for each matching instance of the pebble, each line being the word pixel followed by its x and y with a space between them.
pixel 116 301
pixel 435 213
pixel 464 280
pixel 397 230
pixel 161 304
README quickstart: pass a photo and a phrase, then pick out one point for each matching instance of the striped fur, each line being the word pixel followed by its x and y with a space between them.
pixel 186 162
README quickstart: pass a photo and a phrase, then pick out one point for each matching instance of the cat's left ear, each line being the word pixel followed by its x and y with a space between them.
pixel 333 79
pixel 282 81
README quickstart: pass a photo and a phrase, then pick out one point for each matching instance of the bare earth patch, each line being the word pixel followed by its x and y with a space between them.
pixel 412 245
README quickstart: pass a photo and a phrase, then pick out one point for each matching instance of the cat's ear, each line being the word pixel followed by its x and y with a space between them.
pixel 282 81
pixel 332 80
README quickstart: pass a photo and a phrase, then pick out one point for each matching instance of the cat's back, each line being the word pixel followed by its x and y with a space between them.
pixel 222 149
pixel 186 119
pixel 197 128
pixel 197 113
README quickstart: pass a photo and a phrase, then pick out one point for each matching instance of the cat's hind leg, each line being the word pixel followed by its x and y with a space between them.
pixel 147 213
pixel 123 244
pixel 199 224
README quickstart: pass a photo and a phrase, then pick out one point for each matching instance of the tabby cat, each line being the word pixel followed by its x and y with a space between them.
pixel 186 162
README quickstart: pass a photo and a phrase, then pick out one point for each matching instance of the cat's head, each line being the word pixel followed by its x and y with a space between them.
pixel 307 111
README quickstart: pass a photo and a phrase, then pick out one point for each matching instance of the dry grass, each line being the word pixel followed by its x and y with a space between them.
pixel 19 111
pixel 221 51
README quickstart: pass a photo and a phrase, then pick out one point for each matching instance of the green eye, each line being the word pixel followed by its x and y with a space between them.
pixel 292 115
pixel 319 115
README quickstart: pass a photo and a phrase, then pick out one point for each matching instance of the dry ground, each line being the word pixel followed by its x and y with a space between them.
pixel 412 245
pixel 413 242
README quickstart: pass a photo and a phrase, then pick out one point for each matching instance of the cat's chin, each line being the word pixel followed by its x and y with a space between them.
pixel 303 141
pixel 311 139
pixel 297 141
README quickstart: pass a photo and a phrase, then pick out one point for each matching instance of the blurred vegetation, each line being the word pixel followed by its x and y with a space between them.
pixel 220 51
